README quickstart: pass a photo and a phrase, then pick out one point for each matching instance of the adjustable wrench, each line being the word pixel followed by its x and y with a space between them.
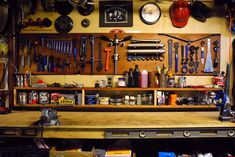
pixel 176 46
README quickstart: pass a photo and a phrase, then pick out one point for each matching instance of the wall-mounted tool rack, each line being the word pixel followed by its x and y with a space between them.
pixel 68 54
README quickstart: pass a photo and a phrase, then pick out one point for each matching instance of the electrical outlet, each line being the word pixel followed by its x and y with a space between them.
pixel 110 81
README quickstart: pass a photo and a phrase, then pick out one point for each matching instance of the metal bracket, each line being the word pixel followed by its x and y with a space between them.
pixel 169 133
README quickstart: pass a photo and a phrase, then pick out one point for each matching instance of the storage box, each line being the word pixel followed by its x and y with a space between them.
pixel 70 153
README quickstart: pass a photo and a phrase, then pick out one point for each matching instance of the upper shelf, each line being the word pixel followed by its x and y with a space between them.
pixel 121 89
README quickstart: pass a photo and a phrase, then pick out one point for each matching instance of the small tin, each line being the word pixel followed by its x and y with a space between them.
pixel 55 98
pixel 33 97
pixel 79 99
pixel 171 82
pixel 21 80
pixel 22 98
pixel 44 98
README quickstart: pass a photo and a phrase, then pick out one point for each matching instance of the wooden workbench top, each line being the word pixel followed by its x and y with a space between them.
pixel 103 120
pixel 100 125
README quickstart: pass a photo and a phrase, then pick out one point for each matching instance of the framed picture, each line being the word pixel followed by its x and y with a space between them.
pixel 115 13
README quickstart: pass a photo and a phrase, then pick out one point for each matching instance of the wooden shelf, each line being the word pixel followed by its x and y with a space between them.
pixel 189 89
pixel 52 73
pixel 211 106
pixel 3 90
pixel 120 89
pixel 47 88
pixel 88 107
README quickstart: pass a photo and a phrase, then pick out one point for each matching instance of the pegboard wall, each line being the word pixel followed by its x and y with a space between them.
pixel 54 53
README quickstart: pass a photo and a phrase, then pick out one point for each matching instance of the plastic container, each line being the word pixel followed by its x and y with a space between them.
pixel 121 82
pixel 173 98
pixel 144 79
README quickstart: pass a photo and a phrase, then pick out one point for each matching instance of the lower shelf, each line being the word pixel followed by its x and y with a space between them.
pixel 122 107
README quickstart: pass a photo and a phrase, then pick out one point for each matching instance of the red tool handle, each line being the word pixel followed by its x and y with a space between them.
pixel 107 50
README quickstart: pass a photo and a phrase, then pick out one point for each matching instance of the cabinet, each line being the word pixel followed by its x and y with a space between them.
pixel 82 95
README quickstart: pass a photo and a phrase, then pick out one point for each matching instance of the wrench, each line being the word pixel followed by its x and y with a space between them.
pixel 216 49
pixel 197 63
pixel 170 54
pixel 92 42
pixel 191 49
pixel 100 65
pixel 182 54
pixel 176 46
pixel 184 68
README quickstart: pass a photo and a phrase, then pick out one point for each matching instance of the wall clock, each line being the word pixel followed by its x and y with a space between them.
pixel 150 13
pixel 115 13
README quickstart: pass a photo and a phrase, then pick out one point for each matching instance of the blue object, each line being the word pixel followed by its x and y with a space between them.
pixel 166 154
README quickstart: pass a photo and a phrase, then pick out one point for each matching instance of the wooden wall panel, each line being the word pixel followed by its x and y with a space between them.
pixel 123 63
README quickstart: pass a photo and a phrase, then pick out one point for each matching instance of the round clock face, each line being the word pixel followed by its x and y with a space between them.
pixel 150 13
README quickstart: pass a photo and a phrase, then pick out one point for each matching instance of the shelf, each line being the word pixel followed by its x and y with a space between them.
pixel 46 88
pixel 3 60
pixel 120 89
pixel 211 106
pixel 189 89
pixel 3 90
pixel 53 73
pixel 98 107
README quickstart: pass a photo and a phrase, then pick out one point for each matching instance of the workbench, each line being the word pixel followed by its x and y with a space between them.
pixel 117 125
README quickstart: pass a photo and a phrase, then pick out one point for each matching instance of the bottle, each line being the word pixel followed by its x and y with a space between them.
pixel 144 100
pixel 158 72
pixel 144 79
pixel 138 100
pixel 136 76
pixel 163 77
pixel 126 76
pixel 132 100
pixel 150 99
pixel 127 100
pixel 130 78
pixel 163 98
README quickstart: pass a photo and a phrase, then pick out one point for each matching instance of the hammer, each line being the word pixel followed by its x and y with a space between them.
pixel 107 50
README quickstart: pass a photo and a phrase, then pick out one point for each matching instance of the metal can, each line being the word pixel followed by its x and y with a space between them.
pixel 44 98
pixel 21 80
pixel 182 82
pixel 55 98
pixel 171 82
pixel 18 80
pixel 79 99
pixel 33 97
pixel 22 98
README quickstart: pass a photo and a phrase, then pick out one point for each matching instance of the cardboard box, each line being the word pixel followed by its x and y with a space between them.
pixel 69 153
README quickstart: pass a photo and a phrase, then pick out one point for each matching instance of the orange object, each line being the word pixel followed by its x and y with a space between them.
pixel 173 98
pixel 107 50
